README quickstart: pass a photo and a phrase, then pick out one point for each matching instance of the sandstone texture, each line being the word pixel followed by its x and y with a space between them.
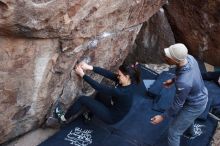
pixel 33 138
pixel 42 40
pixel 155 35
pixel 197 24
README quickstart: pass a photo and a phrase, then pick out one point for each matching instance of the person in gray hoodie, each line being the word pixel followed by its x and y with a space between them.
pixel 191 94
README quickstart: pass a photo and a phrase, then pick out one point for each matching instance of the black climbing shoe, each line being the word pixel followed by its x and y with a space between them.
pixel 59 112
pixel 87 116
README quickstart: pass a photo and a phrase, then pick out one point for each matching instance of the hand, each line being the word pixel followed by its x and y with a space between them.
pixel 85 66
pixel 79 71
pixel 168 83
pixel 135 64
pixel 219 80
pixel 157 119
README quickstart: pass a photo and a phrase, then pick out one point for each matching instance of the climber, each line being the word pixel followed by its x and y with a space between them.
pixel 121 95
pixel 191 94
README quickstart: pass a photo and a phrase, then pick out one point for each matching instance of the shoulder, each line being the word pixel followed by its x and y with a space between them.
pixel 191 59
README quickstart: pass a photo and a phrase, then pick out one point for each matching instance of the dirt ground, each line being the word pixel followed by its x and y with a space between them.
pixel 33 138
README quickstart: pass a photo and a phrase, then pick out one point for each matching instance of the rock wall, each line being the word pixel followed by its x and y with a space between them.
pixel 24 76
pixel 197 24
pixel 154 36
pixel 41 41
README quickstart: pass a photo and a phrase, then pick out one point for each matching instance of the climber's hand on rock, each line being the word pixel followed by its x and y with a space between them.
pixel 79 71
pixel 85 66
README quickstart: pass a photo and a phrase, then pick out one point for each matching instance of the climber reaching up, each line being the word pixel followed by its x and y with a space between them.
pixel 121 95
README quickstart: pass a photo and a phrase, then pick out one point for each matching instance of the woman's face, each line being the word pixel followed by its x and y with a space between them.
pixel 123 79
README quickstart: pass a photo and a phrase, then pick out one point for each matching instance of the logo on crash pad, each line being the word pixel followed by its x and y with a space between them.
pixel 79 137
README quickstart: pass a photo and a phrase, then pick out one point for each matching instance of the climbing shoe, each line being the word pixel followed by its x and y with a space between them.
pixel 59 113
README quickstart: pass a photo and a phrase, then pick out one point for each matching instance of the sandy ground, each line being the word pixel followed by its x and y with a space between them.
pixel 33 138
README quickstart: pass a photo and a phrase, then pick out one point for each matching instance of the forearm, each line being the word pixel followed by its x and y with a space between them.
pixel 177 104
pixel 211 76
pixel 172 111
pixel 100 87
pixel 93 83
pixel 219 81
pixel 105 73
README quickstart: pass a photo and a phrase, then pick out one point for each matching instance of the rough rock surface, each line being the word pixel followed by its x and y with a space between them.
pixel 159 68
pixel 24 76
pixel 197 24
pixel 33 138
pixel 216 139
pixel 155 35
pixel 41 41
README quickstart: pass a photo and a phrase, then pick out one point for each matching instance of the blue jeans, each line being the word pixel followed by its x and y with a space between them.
pixel 182 122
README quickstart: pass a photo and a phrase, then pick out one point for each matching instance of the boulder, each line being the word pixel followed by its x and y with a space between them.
pixel 155 35
pixel 196 23
pixel 42 40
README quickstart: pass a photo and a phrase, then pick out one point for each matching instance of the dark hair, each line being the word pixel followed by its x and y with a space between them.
pixel 132 70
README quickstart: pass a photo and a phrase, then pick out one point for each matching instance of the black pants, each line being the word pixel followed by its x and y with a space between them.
pixel 211 76
pixel 99 109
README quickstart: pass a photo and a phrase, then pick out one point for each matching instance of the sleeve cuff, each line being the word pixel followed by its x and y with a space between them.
pixel 165 115
pixel 85 77
pixel 95 68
